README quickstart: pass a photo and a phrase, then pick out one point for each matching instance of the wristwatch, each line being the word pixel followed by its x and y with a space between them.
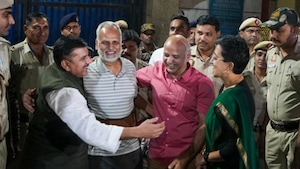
pixel 205 157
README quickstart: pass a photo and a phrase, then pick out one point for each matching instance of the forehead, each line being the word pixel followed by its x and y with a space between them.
pixel 72 23
pixel 77 53
pixel 175 46
pixel 2 11
pixel 261 50
pixel 178 23
pixel 109 33
pixel 129 43
pixel 284 27
pixel 206 28
pixel 37 21
pixel 218 49
pixel 252 28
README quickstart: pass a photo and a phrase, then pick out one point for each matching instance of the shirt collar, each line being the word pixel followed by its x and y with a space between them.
pixel 185 76
pixel 27 48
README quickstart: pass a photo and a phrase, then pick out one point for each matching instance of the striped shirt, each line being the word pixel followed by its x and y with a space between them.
pixel 111 97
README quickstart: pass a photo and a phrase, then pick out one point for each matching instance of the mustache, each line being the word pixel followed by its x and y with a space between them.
pixel 125 54
pixel 275 40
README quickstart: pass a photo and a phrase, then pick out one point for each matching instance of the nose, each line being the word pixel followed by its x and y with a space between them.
pixel 110 46
pixel 11 20
pixel 88 60
pixel 272 34
pixel 170 59
pixel 125 50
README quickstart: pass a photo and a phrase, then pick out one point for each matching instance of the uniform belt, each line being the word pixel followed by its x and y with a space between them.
pixel 128 121
pixel 285 126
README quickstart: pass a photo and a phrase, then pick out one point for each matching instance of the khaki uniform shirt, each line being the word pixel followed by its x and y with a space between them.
pixel 30 68
pixel 145 92
pixel 251 62
pixel 283 80
pixel 4 77
pixel 205 67
pixel 259 92
pixel 26 68
pixel 145 56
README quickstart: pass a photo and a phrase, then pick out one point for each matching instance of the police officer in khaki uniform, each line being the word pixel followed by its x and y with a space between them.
pixel 250 30
pixel 283 96
pixel 6 20
pixel 256 80
pixel 147 45
pixel 29 59
pixel 206 33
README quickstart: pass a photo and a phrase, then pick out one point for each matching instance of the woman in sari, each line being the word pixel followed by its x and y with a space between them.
pixel 229 138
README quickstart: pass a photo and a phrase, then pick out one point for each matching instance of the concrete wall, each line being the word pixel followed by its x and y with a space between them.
pixel 159 12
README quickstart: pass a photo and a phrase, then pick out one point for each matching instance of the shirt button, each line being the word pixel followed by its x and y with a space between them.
pixel 170 93
pixel 167 145
pixel 167 119
pixel 167 133
pixel 169 105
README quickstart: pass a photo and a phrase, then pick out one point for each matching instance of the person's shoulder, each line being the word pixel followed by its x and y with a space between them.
pixel 18 46
pixel 194 50
pixel 199 77
pixel 127 63
pixel 49 47
pixel 3 40
pixel 158 51
pixel 141 64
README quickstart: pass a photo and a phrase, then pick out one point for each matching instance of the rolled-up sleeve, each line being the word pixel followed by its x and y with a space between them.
pixel 71 107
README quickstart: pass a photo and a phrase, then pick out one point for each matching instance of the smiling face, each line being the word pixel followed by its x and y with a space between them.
pixel 176 55
pixel 37 31
pixel 6 20
pixel 221 68
pixel 79 62
pixel 108 44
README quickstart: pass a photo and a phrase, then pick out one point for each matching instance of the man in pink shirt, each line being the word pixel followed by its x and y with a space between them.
pixel 181 97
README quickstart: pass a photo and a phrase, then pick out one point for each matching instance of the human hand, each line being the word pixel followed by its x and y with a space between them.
pixel 28 100
pixel 200 162
pixel 150 129
pixel 178 164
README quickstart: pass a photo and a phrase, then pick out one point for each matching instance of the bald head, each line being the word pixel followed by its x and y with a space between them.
pixel 176 55
pixel 178 41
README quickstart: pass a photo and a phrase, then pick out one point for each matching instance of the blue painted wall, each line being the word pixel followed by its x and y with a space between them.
pixel 90 12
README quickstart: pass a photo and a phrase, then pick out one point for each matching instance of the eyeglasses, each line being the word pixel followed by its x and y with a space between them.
pixel 215 57
pixel 74 27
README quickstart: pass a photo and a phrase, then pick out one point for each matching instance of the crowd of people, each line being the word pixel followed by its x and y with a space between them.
pixel 203 100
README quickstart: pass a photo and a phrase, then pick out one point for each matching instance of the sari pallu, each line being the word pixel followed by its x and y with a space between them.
pixel 230 111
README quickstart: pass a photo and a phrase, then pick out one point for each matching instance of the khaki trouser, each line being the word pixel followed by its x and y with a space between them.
pixel 3 154
pixel 280 147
